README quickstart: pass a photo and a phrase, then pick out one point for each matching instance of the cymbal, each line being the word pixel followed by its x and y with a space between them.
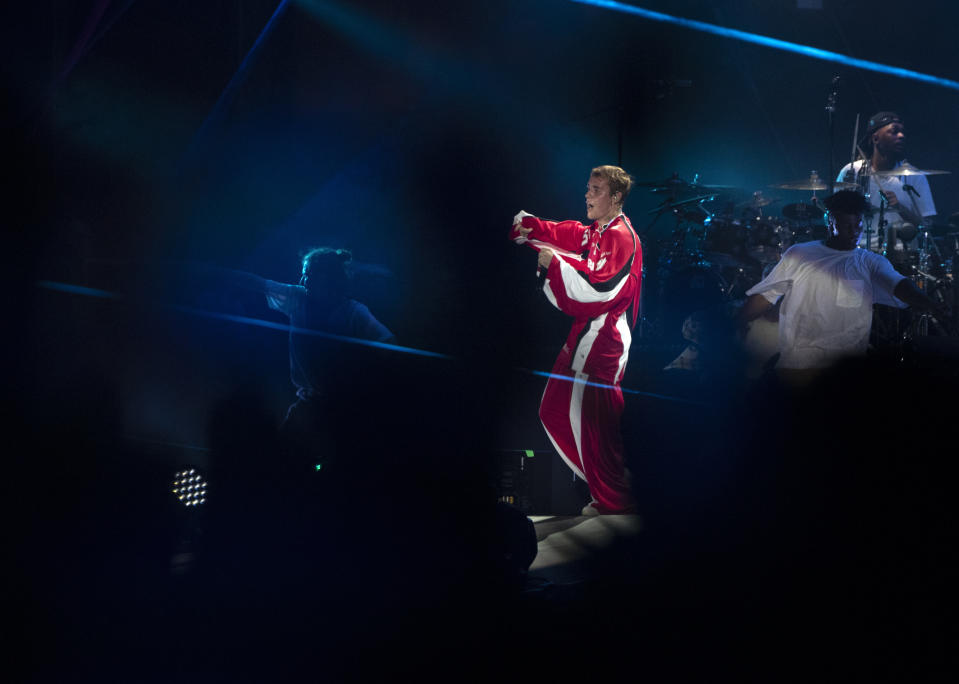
pixel 904 170
pixel 684 190
pixel 708 186
pixel 815 184
pixel 800 211
pixel 672 205
pixel 674 183
pixel 757 202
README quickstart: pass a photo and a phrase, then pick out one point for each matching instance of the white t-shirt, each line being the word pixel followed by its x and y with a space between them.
pixel 826 312
pixel 923 205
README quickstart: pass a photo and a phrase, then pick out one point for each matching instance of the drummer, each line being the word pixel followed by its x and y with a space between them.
pixel 908 198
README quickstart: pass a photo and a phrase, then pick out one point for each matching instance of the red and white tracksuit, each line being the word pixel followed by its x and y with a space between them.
pixel 595 277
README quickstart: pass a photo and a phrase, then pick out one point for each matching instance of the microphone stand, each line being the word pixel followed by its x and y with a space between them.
pixel 881 232
pixel 831 103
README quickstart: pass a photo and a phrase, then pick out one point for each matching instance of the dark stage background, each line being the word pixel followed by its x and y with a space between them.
pixel 410 133
pixel 143 133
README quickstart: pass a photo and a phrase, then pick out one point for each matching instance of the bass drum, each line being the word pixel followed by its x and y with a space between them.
pixel 698 288
pixel 808 232
pixel 767 240
pixel 725 237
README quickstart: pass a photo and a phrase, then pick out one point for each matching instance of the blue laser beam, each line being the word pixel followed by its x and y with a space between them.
pixel 590 383
pixel 245 320
pixel 77 289
pixel 775 43
pixel 226 97
pixel 257 322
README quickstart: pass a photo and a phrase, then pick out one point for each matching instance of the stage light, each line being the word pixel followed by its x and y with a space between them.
pixel 774 43
pixel 189 487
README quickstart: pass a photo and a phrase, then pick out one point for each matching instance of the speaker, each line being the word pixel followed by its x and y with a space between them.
pixel 538 482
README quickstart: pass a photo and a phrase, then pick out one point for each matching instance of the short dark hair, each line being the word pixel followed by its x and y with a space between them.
pixel 849 201
pixel 327 265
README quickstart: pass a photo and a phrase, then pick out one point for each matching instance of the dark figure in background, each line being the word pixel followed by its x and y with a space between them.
pixel 320 310
pixel 908 198
pixel 320 302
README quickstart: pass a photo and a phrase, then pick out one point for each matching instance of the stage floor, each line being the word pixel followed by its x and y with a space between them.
pixel 568 545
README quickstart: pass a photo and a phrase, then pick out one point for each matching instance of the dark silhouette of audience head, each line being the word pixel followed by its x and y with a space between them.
pixel 848 201
pixel 326 272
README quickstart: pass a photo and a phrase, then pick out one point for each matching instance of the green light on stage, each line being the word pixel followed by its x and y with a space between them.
pixel 529 453
pixel 319 466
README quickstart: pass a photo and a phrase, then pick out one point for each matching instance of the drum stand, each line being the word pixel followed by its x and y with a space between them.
pixel 940 288
pixel 898 334
pixel 928 250
pixel 881 232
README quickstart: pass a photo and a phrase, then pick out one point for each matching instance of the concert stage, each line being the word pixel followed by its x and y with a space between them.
pixel 567 546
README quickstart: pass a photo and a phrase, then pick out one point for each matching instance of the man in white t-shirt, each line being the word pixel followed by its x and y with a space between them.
pixel 908 199
pixel 827 289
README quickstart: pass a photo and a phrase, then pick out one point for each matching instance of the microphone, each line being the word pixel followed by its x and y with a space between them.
pixel 539 268
pixel 539 279
pixel 911 190
pixel 833 99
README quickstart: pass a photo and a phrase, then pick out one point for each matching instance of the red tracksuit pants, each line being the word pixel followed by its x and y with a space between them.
pixel 582 420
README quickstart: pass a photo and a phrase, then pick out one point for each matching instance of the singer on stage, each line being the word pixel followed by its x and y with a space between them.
pixel 594 274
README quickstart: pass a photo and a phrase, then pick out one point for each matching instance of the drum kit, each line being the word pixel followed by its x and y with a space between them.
pixel 723 240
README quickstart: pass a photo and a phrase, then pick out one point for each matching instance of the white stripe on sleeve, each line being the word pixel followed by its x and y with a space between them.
pixel 580 290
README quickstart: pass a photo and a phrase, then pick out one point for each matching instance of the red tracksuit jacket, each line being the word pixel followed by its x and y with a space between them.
pixel 595 277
